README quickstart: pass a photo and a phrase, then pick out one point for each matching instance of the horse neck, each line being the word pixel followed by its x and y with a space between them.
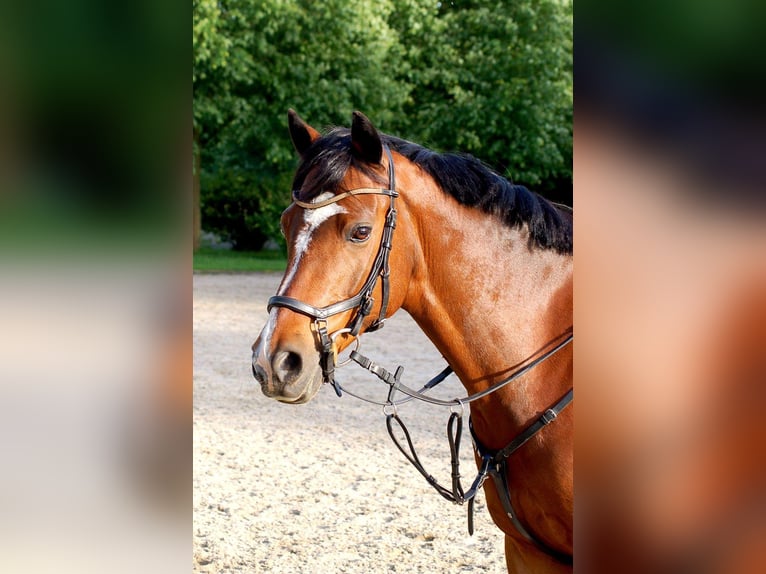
pixel 489 302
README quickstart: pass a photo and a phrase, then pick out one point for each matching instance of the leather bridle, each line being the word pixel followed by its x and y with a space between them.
pixel 363 300
pixel 494 462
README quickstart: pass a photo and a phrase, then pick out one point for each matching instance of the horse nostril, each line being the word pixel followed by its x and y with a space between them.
pixel 287 366
pixel 259 373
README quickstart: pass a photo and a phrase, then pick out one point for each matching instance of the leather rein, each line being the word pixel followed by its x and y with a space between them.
pixel 493 461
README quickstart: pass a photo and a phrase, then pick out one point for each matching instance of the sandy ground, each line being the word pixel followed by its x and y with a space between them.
pixel 319 488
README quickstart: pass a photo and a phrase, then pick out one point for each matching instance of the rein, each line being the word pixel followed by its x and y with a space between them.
pixel 493 462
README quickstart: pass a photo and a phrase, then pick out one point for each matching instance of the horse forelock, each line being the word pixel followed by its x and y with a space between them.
pixel 324 166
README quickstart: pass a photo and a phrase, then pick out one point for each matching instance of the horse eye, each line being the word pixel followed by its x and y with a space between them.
pixel 361 233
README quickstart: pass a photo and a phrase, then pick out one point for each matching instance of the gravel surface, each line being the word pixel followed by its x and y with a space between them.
pixel 320 488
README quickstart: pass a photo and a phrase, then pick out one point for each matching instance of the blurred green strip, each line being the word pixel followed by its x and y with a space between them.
pixel 224 261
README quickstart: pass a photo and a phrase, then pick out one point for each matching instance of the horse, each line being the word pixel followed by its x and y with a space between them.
pixel 484 267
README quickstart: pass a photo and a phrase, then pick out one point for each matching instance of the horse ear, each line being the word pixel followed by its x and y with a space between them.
pixel 365 140
pixel 302 134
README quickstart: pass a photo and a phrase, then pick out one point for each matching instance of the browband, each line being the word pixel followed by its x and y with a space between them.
pixel 357 191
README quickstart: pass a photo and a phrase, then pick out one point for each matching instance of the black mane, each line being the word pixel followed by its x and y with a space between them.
pixel 464 177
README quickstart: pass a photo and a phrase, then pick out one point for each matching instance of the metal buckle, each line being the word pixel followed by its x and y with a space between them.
pixel 549 416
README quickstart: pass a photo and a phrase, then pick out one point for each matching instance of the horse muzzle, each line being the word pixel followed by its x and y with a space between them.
pixel 288 374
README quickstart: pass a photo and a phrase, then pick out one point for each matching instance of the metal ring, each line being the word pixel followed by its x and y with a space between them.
pixel 341 332
pixel 389 409
pixel 459 403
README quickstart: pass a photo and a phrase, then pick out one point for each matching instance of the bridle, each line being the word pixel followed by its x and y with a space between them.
pixel 363 300
pixel 493 461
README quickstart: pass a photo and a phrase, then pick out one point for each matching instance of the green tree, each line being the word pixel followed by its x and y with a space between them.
pixel 257 59
pixel 494 78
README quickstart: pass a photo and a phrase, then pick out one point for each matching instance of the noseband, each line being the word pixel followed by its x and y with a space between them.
pixel 363 300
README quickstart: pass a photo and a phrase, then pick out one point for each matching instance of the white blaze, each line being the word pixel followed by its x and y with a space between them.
pixel 312 219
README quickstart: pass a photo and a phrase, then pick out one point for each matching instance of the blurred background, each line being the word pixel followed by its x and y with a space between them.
pixel 670 292
pixel 95 294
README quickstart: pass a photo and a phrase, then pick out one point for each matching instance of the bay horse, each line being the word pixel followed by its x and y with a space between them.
pixel 483 266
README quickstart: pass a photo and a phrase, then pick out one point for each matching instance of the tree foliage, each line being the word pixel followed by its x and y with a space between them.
pixel 501 87
pixel 489 78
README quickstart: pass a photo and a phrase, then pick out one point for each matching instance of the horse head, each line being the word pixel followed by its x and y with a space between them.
pixel 340 280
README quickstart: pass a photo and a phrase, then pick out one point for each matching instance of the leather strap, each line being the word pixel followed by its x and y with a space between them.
pixel 336 198
pixel 311 311
pixel 498 470
pixel 499 477
pixel 544 420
